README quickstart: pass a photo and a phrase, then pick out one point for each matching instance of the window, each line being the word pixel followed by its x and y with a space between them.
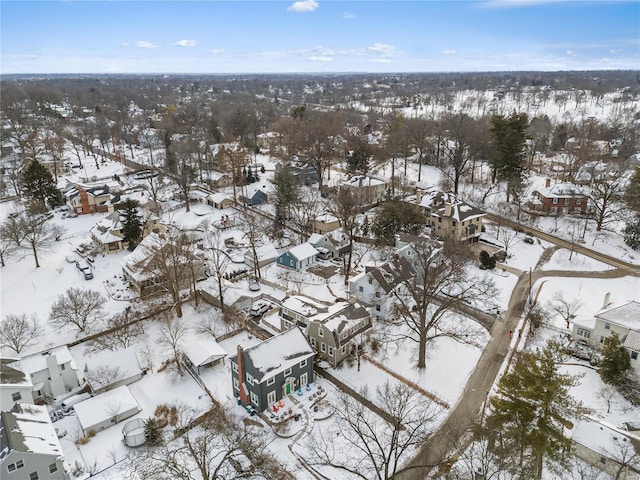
pixel 377 294
pixel 287 372
pixel 584 333
pixel 313 342
pixel 555 201
pixel 62 367
pixel 603 460
pixel 303 363
pixel 33 476
pixel 291 263
pixel 323 347
pixel 249 379
pixel 16 396
pixel 344 350
pixel 53 468
pixel 331 351
pixel 607 326
pixel 634 355
pixel 235 367
pixel 601 339
pixel 320 332
pixel 361 288
pixel 271 381
pixel 254 399
pixel 236 384
pixel 377 308
pixel 566 201
pixel 18 464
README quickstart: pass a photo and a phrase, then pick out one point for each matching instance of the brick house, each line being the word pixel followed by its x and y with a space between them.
pixel 82 200
pixel 558 199
pixel 272 369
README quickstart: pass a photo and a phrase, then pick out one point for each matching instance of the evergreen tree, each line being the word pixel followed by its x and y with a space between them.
pixel 152 432
pixel 508 140
pixel 393 217
pixel 631 232
pixel 250 176
pixel 286 194
pixel 632 195
pixel 131 223
pixel 615 362
pixel 530 411
pixel 358 160
pixel 38 185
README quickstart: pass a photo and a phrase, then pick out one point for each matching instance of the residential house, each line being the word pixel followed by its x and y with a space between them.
pixel 253 194
pixel 106 409
pixel 265 253
pixel 333 330
pixel 324 223
pixel 606 447
pixel 221 201
pixel 81 199
pixel 337 243
pixel 299 257
pixel 52 373
pixel 144 267
pixel 203 352
pixel 304 173
pixel 272 369
pixel 376 285
pixel 448 216
pixel 620 318
pixel 558 199
pixel 15 385
pixel 30 448
pixel 109 369
pixel 371 190
pixel 107 233
pixel 267 140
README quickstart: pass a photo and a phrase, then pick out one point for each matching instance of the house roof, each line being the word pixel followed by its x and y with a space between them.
pixel 392 273
pixel 601 437
pixel 560 190
pixel 303 305
pixel 627 315
pixel 219 197
pixel 304 251
pixel 460 211
pixel 278 353
pixel 105 406
pixel 27 428
pixel 10 375
pixel 38 362
pixel 350 314
pixel 125 360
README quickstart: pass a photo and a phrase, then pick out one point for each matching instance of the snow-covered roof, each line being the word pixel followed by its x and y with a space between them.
pixel 363 181
pixel 105 406
pixel 125 360
pixel 38 362
pixel 627 315
pixel 326 218
pixel 560 190
pixel 278 353
pixel 349 315
pixel 303 305
pixel 439 202
pixel 10 375
pixel 303 251
pixel 204 350
pixel 601 437
pixel 27 428
pixel 219 197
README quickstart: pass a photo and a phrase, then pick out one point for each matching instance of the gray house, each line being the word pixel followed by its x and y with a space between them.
pixel 298 257
pixel 272 369
pixel 29 445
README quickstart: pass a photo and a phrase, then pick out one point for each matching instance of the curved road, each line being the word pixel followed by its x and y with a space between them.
pixel 452 433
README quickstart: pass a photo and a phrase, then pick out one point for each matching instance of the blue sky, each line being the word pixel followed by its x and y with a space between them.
pixel 317 36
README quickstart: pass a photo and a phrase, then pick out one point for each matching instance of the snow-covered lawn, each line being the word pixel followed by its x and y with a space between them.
pixel 564 259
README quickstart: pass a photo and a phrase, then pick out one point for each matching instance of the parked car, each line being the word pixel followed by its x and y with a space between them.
pixel 259 308
pixel 85 269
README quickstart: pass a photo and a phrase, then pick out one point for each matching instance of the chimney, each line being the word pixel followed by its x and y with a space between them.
pixel 241 385
pixel 447 209
pixel 52 366
pixel 548 183
pixel 607 300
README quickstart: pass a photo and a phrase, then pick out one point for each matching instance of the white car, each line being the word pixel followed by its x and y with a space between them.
pixel 259 308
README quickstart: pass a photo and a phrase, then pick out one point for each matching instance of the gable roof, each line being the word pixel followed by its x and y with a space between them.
pixel 105 406
pixel 392 273
pixel 27 428
pixel 304 251
pixel 38 362
pixel 627 315
pixel 10 375
pixel 460 211
pixel 279 353
pixel 205 350
pixel 632 342
pixel 560 190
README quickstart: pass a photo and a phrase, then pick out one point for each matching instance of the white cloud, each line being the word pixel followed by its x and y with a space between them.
pixel 571 53
pixel 303 6
pixel 143 44
pixel 381 49
pixel 448 52
pixel 380 60
pixel 317 58
pixel 217 51
pixel 348 15
pixel 186 43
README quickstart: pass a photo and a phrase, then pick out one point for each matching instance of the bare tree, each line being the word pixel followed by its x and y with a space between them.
pixel 172 332
pixel 37 233
pixel 183 172
pixel 606 193
pixel 253 227
pixel 456 148
pixel 104 377
pixel 77 307
pixel 123 330
pixel 303 212
pixel 567 309
pixel 375 448
pixel 19 330
pixel 218 261
pixel 320 139
pixel 437 290
pixel 508 238
pixel 607 393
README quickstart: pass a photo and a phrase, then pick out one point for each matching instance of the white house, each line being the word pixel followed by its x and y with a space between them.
pixel 106 409
pixel 30 446
pixel 15 385
pixel 52 373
